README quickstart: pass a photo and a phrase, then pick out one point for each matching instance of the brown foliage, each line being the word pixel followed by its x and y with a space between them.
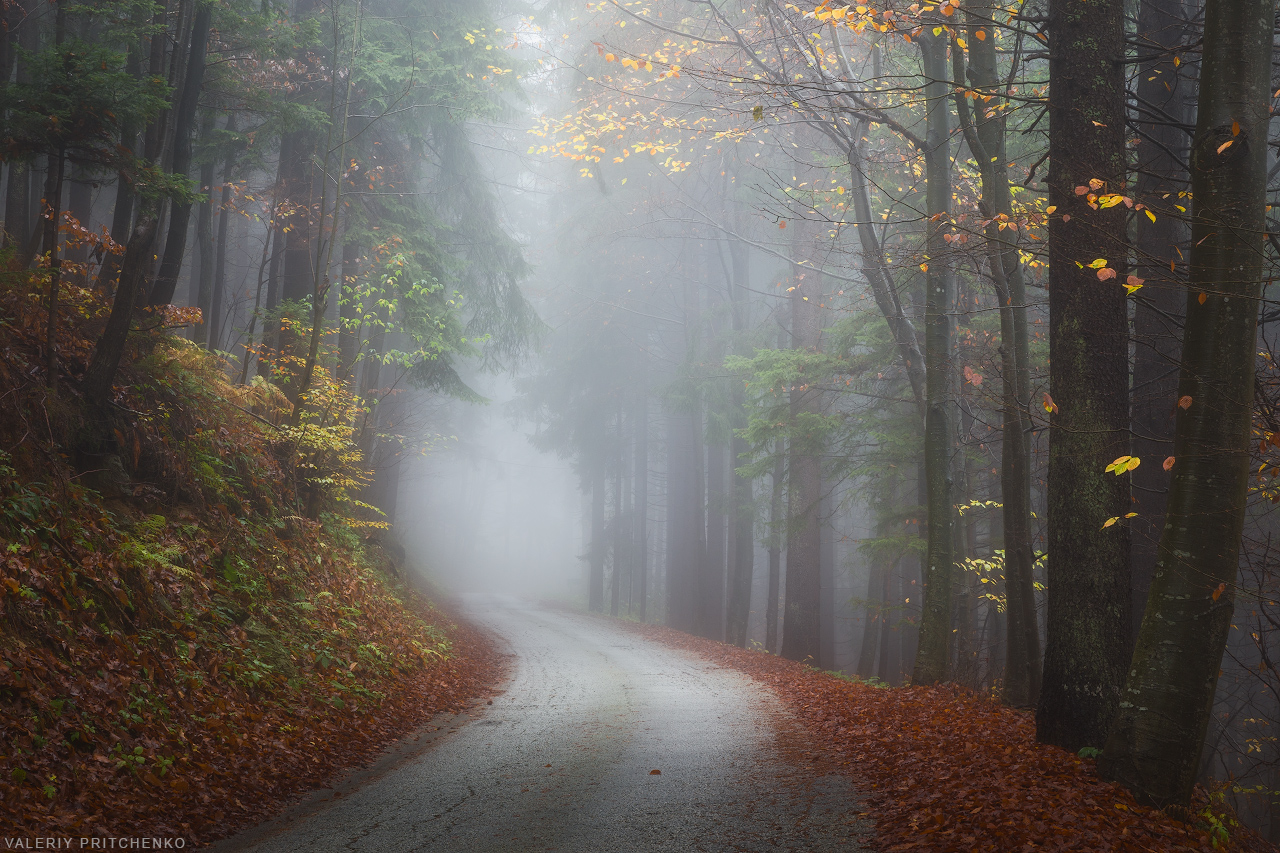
pixel 946 769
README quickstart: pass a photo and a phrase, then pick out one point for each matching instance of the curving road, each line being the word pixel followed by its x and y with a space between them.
pixel 562 761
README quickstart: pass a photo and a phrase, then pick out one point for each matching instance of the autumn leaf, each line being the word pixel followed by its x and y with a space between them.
pixel 1168 463
pixel 1133 284
pixel 1201 298
pixel 1184 402
pixel 1097 263
pixel 1217 593
pixel 1049 405
pixel 1106 274
pixel 1123 465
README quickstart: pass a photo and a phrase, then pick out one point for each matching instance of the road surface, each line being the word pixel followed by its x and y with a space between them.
pixel 562 761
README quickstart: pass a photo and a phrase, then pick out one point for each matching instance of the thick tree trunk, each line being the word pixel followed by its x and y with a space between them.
pixel 1163 103
pixel 1155 743
pixel 184 124
pixel 1088 613
pixel 934 651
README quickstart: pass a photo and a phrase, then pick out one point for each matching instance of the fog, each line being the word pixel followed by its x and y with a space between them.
pixel 486 512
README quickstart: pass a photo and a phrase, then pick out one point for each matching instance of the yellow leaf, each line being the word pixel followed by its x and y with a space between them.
pixel 1049 405
pixel 1110 521
pixel 1119 466
pixel 1050 209
pixel 1098 263
pixel 1150 215
pixel 924 268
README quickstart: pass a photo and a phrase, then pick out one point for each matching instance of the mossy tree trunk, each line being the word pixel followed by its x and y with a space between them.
pixel 934 652
pixel 1088 611
pixel 1155 743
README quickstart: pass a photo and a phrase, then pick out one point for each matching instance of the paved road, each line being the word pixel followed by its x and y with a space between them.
pixel 562 761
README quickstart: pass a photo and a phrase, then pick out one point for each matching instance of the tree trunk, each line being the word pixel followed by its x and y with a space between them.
pixel 1087 620
pixel 110 347
pixel 777 536
pixel 205 246
pixel 53 198
pixel 826 579
pixel 642 500
pixel 934 651
pixel 868 654
pixel 684 518
pixel 619 516
pixel 985 134
pixel 184 123
pixel 1163 104
pixel 348 331
pixel 717 530
pixel 742 541
pixel 1155 742
pixel 17 206
pixel 215 319
pixel 802 614
pixel 596 553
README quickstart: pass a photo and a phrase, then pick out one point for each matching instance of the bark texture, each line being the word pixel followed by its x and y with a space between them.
pixel 1087 620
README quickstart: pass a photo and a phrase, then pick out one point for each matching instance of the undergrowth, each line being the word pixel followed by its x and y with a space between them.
pixel 195 617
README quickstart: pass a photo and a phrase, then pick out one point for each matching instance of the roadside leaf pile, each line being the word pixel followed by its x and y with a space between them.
pixel 945 769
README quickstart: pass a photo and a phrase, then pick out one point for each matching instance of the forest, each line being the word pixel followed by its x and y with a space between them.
pixel 928 345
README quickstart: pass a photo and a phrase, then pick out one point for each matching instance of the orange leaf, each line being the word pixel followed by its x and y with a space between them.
pixel 1201 298
pixel 1217 593
pixel 1184 403
pixel 1106 273
pixel 1049 405
pixel 1168 463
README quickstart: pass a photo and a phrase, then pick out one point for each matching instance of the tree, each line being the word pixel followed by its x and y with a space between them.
pixel 1087 618
pixel 1155 743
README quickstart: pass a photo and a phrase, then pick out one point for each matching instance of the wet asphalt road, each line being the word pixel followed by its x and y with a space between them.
pixel 562 759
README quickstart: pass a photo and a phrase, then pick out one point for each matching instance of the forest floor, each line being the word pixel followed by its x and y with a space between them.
pixel 946 769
